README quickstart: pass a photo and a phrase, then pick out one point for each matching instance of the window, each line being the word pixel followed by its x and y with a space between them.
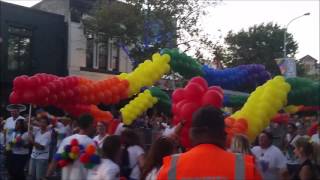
pixel 19 49
pixel 102 57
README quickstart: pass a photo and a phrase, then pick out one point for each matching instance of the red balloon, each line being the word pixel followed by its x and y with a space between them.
pixel 62 96
pixel 28 96
pixel 212 98
pixel 193 91
pixel 20 82
pixel 52 87
pixel 52 99
pixel 43 92
pixel 184 138
pixel 84 158
pixel 201 81
pixel 59 85
pixel 179 106
pixel 70 94
pixel 217 88
pixel 100 96
pixel 178 95
pixel 187 110
pixel 34 82
pixel 14 98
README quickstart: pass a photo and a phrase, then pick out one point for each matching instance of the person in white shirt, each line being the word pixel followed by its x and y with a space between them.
pixel 75 171
pixel 270 160
pixel 102 133
pixel 20 150
pixel 10 124
pixel 40 139
pixel 132 155
pixel 108 169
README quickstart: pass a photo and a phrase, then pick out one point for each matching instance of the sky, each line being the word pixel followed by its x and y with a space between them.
pixel 238 14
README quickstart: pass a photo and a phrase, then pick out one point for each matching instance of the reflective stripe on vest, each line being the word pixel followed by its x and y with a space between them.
pixel 172 173
pixel 239 168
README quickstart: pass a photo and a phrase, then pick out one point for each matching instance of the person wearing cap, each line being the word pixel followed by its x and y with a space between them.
pixel 10 124
pixel 208 159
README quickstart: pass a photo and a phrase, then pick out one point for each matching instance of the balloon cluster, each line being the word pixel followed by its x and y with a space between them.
pixel 304 92
pixel 16 142
pixel 45 89
pixel 241 78
pixel 147 73
pixel 234 127
pixel 70 154
pixel 185 65
pixel 190 98
pixel 263 104
pixel 90 158
pixel 137 106
pixel 164 101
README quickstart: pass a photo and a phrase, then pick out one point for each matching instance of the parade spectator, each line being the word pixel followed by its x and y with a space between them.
pixel 132 156
pixel 291 137
pixel 162 147
pixel 270 160
pixel 240 144
pixel 19 146
pixel 102 133
pixel 40 139
pixel 208 159
pixel 108 168
pixel 9 126
pixel 76 171
pixel 303 150
pixel 315 140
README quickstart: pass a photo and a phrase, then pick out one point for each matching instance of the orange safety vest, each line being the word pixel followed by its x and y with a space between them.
pixel 208 162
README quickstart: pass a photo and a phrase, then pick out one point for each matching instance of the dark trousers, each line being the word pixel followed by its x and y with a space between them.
pixel 17 165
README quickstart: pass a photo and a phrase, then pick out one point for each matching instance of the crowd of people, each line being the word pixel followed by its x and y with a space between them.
pixel 28 148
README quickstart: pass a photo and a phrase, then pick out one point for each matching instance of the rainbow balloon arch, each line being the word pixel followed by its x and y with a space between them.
pixel 78 95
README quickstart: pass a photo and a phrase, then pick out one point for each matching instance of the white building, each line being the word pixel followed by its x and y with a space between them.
pixel 86 56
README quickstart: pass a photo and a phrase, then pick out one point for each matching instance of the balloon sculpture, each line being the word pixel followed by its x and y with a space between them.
pixel 187 100
pixel 262 105
pixel 78 95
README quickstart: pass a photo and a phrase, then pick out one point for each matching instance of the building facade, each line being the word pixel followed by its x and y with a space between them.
pixel 31 41
pixel 86 55
pixel 310 65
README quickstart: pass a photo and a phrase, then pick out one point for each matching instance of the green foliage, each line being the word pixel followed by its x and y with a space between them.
pixel 260 44
pixel 128 22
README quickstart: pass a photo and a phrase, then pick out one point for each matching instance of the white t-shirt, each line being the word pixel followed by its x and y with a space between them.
pixel 43 139
pixel 99 141
pixel 10 125
pixel 75 171
pixel 152 175
pixel 134 153
pixel 107 170
pixel 24 138
pixel 1 138
pixel 270 162
pixel 315 138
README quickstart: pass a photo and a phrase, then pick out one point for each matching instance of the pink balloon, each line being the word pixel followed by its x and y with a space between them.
pixel 178 95
pixel 201 81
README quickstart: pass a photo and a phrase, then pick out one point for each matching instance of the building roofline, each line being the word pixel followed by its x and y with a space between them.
pixel 32 9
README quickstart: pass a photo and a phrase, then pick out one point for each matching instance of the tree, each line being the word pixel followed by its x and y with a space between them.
pixel 146 26
pixel 260 44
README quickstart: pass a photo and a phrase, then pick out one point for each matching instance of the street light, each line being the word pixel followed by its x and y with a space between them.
pixel 285 34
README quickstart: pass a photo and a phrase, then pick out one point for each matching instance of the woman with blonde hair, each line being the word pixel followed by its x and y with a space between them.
pixel 240 144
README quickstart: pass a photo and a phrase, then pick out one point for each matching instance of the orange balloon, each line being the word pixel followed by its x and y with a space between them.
pixel 91 149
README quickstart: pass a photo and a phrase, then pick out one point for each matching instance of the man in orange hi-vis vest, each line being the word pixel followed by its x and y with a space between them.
pixel 208 159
